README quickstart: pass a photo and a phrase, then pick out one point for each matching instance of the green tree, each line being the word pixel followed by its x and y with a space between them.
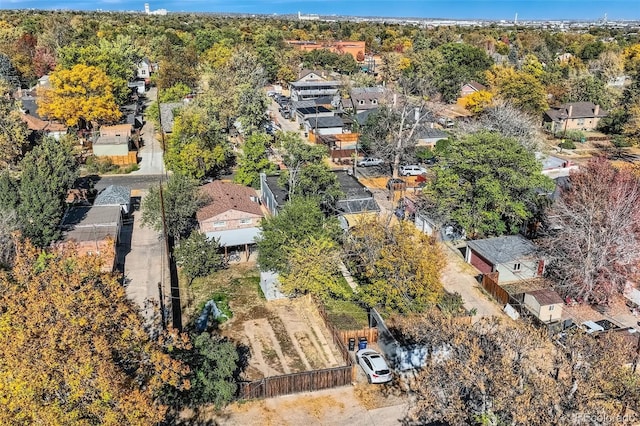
pixel 251 104
pixel 181 202
pixel 13 132
pixel 9 197
pixel 196 147
pixel 299 220
pixel 488 184
pixel 397 266
pixel 313 267
pixel 212 361
pixel 199 256
pixel 297 154
pixel 47 173
pixel 253 160
pixel 587 88
pixel 462 63
pixel 118 59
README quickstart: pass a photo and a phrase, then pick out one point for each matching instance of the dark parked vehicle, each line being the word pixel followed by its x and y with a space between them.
pixel 396 184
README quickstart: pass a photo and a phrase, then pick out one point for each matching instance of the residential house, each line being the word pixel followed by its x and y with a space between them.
pixel 513 256
pixel 365 98
pixel 167 113
pixel 144 69
pixel 93 230
pixel 114 142
pixel 427 137
pixel 232 217
pixel 555 167
pixel 115 195
pixel 356 199
pixel 304 90
pixel 573 116
pixel 471 87
pixel 324 125
pixel 306 113
pixel 545 304
pixel 36 124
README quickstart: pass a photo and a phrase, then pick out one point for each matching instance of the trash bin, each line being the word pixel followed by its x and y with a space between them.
pixel 362 343
pixel 352 343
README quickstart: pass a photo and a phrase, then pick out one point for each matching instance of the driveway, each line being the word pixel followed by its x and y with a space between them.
pixel 151 154
pixel 144 267
pixel 459 277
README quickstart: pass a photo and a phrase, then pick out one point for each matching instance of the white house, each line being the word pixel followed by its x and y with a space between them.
pixel 545 304
pixel 513 256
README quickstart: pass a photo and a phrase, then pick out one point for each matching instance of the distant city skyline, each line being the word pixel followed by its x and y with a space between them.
pixel 437 9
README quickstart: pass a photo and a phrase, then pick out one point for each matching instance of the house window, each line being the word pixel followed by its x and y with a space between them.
pixel 516 267
pixel 245 221
pixel 581 122
pixel 143 72
pixel 219 224
pixel 361 102
pixel 551 307
pixel 374 102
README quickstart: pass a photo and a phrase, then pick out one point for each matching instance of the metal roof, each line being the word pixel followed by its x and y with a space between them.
pixel 113 195
pixel 235 237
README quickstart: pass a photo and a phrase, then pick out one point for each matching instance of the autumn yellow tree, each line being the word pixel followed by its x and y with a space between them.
pixel 397 266
pixel 476 102
pixel 79 95
pixel 73 349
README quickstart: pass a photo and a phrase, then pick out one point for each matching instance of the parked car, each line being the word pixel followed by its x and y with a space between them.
pixel 374 366
pixel 431 161
pixel 412 170
pixel 368 162
pixel 395 183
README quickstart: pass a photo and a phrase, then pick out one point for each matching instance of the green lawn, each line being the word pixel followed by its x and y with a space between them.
pixel 346 315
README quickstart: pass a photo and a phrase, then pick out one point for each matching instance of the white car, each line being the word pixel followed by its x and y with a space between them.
pixel 374 366
pixel 412 170
pixel 367 162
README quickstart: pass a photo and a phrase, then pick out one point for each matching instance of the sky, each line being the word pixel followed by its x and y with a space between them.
pixel 452 9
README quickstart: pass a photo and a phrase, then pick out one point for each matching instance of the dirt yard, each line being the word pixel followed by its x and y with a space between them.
pixel 281 337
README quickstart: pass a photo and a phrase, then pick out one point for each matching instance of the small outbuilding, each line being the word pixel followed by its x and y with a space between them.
pixel 115 195
pixel 545 304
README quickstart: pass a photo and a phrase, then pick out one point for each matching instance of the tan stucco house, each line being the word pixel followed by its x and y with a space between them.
pixel 573 116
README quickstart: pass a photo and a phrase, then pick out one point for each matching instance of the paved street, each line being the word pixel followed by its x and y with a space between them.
pixel 151 155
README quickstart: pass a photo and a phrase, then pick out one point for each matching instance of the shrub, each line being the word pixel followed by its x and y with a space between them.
pixel 567 144
pixel 99 165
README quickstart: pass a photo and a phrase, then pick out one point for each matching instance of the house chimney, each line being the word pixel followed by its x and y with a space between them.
pixel 570 111
pixel 596 111
pixel 416 114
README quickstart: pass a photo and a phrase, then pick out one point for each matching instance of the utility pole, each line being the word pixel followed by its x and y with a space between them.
pixel 176 309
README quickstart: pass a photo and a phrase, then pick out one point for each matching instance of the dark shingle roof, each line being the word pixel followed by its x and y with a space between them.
pixel 325 122
pixel 313 110
pixel 577 109
pixel 504 249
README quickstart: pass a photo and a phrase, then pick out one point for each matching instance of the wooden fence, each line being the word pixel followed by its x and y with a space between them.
pixel 490 283
pixel 305 381
pixel 370 333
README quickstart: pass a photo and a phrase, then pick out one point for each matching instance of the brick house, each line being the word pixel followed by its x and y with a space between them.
pixel 573 116
pixel 232 216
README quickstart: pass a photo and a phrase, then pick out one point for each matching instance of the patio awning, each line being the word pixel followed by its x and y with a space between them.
pixel 235 237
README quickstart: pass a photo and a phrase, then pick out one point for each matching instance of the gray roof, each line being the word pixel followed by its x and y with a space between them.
pixel 305 84
pixel 235 237
pixel 362 116
pixel 313 110
pixel 94 223
pixel 113 195
pixel 578 110
pixel 30 106
pixel 504 249
pixel 112 140
pixel 356 199
pixel 429 133
pixel 166 115
pixel 325 122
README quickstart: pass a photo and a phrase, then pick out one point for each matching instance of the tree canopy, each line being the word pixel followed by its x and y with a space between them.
pixel 79 95
pixel 398 267
pixel 591 245
pixel 73 349
pixel 299 221
pixel 487 184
